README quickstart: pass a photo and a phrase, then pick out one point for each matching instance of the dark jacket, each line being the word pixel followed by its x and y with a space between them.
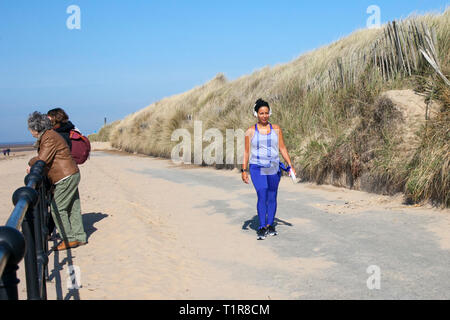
pixel 64 130
pixel 53 150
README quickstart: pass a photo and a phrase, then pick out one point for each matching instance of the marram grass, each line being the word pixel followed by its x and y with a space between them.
pixel 328 103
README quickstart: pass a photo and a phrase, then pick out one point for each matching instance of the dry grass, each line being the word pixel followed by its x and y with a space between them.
pixel 104 133
pixel 429 176
pixel 328 103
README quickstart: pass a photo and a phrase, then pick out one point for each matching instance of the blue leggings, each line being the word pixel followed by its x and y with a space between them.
pixel 266 187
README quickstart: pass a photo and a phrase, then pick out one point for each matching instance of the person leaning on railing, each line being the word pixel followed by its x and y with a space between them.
pixel 61 124
pixel 63 172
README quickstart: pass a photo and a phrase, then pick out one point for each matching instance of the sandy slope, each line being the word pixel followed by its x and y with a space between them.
pixel 158 231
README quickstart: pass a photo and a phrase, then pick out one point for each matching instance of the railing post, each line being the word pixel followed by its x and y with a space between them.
pixel 30 256
pixel 38 210
pixel 41 257
pixel 28 232
pixel 44 226
pixel 13 243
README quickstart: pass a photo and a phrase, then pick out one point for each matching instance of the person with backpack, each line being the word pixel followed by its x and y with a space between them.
pixel 79 145
pixel 61 124
pixel 64 174
pixel 263 143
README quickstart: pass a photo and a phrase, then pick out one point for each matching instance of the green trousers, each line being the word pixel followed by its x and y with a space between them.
pixel 66 209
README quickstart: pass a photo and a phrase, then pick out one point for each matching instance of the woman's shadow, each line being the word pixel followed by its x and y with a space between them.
pixel 89 219
pixel 254 223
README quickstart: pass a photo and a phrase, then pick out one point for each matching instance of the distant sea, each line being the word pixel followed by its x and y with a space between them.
pixel 17 146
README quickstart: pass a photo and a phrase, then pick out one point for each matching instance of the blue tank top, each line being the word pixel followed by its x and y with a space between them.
pixel 264 150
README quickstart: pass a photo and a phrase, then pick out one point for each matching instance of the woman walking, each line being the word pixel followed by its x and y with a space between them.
pixel 63 172
pixel 263 142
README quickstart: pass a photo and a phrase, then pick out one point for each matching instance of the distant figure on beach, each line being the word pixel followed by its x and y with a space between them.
pixel 8 151
pixel 263 142
pixel 64 174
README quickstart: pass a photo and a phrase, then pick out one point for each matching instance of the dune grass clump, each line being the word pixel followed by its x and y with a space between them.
pixel 103 134
pixel 429 176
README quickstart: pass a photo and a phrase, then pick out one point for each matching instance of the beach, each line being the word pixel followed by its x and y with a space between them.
pixel 157 230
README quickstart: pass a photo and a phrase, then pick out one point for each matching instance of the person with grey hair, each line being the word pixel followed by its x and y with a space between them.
pixel 64 174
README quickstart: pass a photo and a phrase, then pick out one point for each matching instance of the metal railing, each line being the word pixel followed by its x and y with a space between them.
pixel 31 214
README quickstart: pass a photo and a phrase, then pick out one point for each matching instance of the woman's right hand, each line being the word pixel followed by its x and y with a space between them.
pixel 245 177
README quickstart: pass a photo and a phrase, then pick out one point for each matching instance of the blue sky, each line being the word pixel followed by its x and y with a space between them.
pixel 129 54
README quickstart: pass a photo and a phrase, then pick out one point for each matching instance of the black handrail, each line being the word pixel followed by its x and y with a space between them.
pixel 31 214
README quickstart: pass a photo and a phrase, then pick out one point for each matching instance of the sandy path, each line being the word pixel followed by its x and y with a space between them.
pixel 159 231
